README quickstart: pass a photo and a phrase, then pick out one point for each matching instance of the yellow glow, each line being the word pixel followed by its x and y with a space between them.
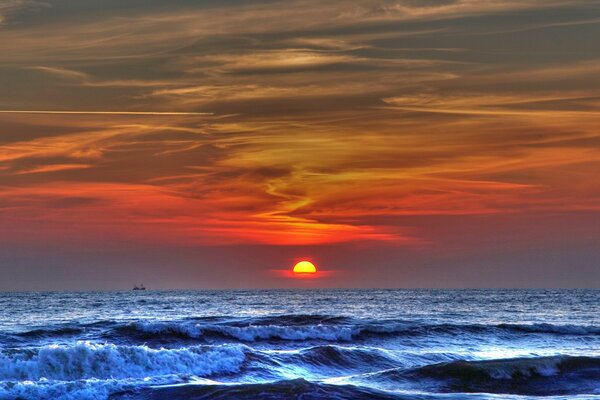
pixel 305 267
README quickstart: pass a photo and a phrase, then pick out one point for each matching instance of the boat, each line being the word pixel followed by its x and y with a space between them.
pixel 141 287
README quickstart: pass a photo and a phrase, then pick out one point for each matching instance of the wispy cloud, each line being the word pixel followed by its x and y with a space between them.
pixel 550 105
pixel 52 168
pixel 62 72
pixel 81 112
pixel 9 6
pixel 295 123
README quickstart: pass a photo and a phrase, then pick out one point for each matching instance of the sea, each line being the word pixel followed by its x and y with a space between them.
pixel 301 344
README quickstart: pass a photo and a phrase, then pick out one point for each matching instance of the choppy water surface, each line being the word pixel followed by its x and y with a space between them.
pixel 322 344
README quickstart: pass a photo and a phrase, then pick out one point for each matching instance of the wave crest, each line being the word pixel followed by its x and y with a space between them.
pixel 510 369
pixel 330 330
pixel 86 360
pixel 249 333
pixel 289 389
pixel 535 376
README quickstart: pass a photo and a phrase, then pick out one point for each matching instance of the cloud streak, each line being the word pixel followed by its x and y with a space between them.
pixel 80 112
pixel 294 123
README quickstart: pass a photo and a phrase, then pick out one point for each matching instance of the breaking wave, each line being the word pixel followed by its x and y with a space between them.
pixel 281 390
pixel 86 360
pixel 330 329
pixel 534 376
pixel 511 369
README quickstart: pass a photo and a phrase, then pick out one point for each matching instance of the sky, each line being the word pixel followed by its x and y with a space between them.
pixel 211 144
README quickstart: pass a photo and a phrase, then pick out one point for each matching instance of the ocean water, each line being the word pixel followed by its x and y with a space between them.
pixel 315 344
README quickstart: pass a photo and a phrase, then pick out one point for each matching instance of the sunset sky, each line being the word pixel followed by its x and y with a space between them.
pixel 205 144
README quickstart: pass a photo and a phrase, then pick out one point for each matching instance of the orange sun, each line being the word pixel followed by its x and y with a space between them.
pixel 305 267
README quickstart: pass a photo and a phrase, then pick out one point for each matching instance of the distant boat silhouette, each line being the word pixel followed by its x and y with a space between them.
pixel 141 287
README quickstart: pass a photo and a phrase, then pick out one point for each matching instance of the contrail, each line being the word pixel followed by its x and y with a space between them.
pixel 101 112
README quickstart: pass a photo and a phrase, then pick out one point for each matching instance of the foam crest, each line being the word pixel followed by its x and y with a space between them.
pixel 44 390
pixel 252 332
pixel 86 360
pixel 332 331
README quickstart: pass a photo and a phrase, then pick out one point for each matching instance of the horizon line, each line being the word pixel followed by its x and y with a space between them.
pixel 303 288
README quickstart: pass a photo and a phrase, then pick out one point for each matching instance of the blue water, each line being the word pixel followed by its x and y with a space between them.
pixel 321 344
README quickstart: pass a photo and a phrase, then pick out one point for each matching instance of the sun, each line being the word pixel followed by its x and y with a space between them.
pixel 305 267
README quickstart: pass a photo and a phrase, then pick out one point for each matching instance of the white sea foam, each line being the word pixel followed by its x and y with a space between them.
pixel 342 332
pixel 254 332
pixel 47 390
pixel 86 360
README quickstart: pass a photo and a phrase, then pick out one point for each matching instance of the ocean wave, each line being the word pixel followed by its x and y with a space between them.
pixel 46 390
pixel 52 332
pixel 511 369
pixel 329 330
pixel 293 320
pixel 325 360
pixel 249 333
pixel 535 376
pixel 282 390
pixel 283 328
pixel 344 357
pixel 85 360
pixel 575 330
pixel 101 371
pixel 414 329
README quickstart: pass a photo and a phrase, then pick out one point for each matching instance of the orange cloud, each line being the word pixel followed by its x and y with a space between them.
pixel 291 124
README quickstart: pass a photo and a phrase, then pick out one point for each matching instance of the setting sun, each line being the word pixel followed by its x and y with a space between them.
pixel 305 267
